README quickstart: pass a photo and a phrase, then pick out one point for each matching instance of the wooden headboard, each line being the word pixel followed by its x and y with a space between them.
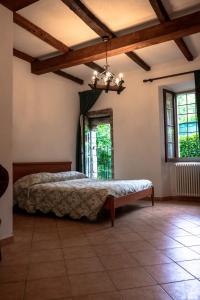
pixel 22 169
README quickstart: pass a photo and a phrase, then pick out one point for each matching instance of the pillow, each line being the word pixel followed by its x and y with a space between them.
pixel 45 177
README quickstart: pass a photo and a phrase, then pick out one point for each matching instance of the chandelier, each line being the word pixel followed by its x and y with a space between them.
pixel 107 80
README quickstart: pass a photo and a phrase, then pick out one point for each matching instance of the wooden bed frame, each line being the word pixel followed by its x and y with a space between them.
pixel 22 169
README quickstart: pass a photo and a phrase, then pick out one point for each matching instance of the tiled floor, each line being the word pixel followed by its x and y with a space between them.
pixel 152 253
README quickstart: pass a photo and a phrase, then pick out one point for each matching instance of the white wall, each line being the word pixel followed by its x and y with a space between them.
pixel 6 116
pixel 138 124
pixel 45 115
pixel 46 111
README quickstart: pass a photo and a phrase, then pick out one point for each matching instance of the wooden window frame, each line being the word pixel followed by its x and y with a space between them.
pixel 176 158
pixel 108 112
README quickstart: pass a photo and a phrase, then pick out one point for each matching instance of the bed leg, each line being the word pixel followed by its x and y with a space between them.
pixel 152 196
pixel 112 212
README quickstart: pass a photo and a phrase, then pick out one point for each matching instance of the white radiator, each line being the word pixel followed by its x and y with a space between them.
pixel 187 179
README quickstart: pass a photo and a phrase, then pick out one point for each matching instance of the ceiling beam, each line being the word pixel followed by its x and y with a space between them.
pixel 15 5
pixel 30 59
pixel 47 38
pixel 23 56
pixel 100 28
pixel 40 33
pixel 153 35
pixel 69 76
pixel 163 17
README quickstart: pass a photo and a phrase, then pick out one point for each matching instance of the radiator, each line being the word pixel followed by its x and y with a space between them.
pixel 187 179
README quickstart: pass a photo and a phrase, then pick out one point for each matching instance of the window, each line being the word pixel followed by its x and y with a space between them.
pixel 181 126
pixel 99 144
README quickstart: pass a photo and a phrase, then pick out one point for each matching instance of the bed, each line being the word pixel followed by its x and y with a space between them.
pixel 76 196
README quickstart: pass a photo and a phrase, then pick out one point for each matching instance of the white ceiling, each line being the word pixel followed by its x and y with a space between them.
pixel 57 19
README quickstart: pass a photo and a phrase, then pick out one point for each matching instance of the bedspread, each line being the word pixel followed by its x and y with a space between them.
pixel 76 198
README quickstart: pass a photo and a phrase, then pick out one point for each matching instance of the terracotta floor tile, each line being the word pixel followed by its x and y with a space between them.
pixel 192 267
pixel 102 296
pixel 12 291
pixel 168 273
pixel 84 265
pixel 130 278
pixel 46 245
pixel 108 249
pixel 51 288
pixel 164 243
pixel 181 254
pixel 39 236
pixel 118 261
pixel 145 293
pixel 46 255
pixel 139 246
pixel 184 290
pixel 128 237
pixel 46 270
pixel 13 273
pixel 91 283
pixel 148 258
pixel 78 252
pixel 74 241
pixel 17 258
pixel 189 240
pixel 100 238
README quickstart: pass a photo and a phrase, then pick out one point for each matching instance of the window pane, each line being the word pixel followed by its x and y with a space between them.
pixel 169 101
pixel 170 120
pixel 191 98
pixel 188 141
pixel 170 150
pixel 182 119
pixel 192 127
pixel 192 118
pixel 181 99
pixel 191 108
pixel 182 109
pixel 170 134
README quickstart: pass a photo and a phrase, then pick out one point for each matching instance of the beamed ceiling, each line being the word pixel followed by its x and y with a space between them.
pixel 72 30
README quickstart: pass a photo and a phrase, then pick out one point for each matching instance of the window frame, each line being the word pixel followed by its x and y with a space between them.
pixel 176 158
pixel 98 114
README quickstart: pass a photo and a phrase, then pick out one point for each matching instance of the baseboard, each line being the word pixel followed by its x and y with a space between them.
pixel 6 241
pixel 177 198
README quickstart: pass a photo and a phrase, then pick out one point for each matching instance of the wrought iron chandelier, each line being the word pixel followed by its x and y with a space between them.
pixel 107 80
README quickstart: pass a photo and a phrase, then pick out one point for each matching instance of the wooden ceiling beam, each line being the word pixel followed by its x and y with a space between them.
pixel 30 59
pixel 153 35
pixel 100 28
pixel 40 33
pixel 15 5
pixel 163 17
pixel 47 38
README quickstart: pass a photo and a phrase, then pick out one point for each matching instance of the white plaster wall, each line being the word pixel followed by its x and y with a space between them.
pixel 45 115
pixel 138 124
pixel 6 38
pixel 46 111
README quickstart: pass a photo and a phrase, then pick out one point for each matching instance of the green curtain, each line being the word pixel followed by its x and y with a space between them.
pixel 87 100
pixel 197 89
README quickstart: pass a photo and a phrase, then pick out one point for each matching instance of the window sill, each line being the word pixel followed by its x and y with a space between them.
pixel 186 159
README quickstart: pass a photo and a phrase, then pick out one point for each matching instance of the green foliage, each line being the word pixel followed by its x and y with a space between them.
pixel 190 146
pixel 104 151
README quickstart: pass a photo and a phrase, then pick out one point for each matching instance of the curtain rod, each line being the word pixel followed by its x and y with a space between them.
pixel 167 76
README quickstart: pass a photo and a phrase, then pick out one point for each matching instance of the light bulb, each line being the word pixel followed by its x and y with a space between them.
pixel 117 81
pixel 108 74
pixel 120 76
pixel 95 73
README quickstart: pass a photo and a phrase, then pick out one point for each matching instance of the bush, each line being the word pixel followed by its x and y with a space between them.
pixel 190 146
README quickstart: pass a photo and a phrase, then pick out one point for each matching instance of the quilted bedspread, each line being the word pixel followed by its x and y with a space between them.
pixel 76 198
